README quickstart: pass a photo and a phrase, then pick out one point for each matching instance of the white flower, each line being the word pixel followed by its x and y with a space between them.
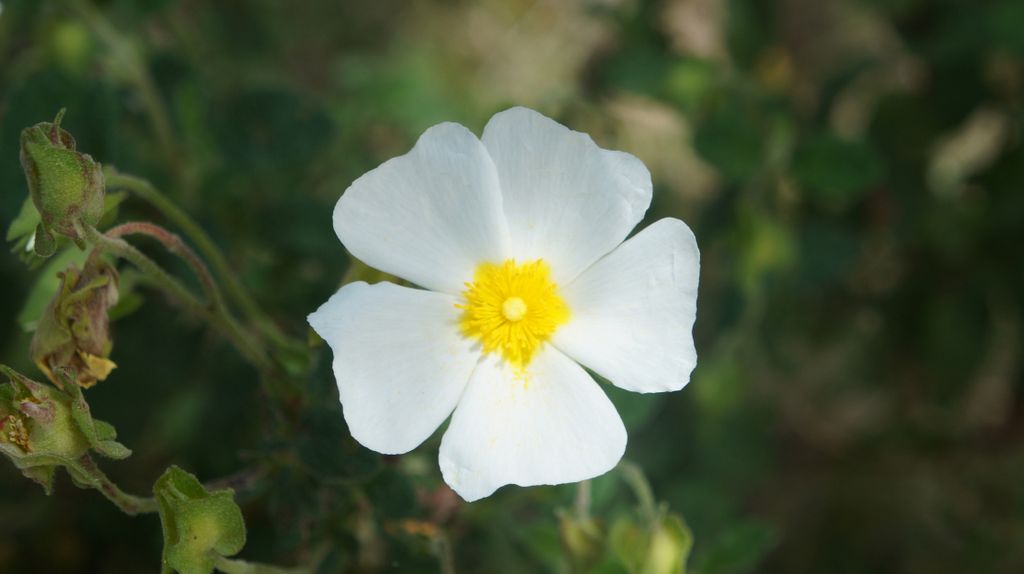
pixel 517 240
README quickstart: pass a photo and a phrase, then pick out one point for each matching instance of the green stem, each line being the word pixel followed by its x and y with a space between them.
pixel 445 555
pixel 123 250
pixel 175 245
pixel 221 320
pixel 237 293
pixel 245 480
pixel 634 476
pixel 582 505
pixel 128 503
pixel 159 116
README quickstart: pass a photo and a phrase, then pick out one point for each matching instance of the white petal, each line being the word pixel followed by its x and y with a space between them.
pixel 430 216
pixel 567 201
pixel 633 311
pixel 635 173
pixel 552 426
pixel 399 361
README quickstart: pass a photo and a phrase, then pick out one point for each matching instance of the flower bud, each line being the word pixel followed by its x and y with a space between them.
pixel 42 428
pixel 662 547
pixel 66 186
pixel 670 547
pixel 198 526
pixel 583 541
pixel 74 330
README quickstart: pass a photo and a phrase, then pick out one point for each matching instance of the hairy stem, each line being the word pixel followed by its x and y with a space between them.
pixel 634 476
pixel 230 328
pixel 235 291
pixel 242 481
pixel 175 245
pixel 121 249
pixel 582 503
pixel 128 503
pixel 445 555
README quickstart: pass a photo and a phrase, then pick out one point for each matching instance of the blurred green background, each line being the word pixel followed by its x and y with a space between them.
pixel 853 171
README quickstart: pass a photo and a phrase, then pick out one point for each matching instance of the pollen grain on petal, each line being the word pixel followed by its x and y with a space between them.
pixel 512 309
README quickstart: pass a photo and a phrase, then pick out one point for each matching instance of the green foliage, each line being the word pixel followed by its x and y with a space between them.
pixel 834 171
pixel 857 399
pixel 22 232
pixel 46 286
pixel 732 138
pixel 739 549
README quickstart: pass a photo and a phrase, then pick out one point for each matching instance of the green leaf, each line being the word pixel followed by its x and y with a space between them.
pixel 690 82
pixel 828 252
pixel 722 385
pixel 32 243
pixel 835 171
pixel 1005 20
pixel 768 248
pixel 111 205
pixel 24 224
pixel 739 549
pixel 129 296
pixel 46 286
pixel 731 140
pixel 100 435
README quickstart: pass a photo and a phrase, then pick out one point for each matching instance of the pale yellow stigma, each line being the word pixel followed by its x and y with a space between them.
pixel 512 309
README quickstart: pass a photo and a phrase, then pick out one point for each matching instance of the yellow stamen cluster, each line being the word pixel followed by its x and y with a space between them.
pixel 13 430
pixel 512 309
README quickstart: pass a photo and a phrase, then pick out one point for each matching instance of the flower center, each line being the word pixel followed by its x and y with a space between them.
pixel 512 309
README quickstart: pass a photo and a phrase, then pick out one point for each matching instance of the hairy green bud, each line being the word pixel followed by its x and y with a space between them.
pixel 66 186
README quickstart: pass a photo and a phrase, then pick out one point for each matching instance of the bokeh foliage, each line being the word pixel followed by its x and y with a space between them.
pixel 853 171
